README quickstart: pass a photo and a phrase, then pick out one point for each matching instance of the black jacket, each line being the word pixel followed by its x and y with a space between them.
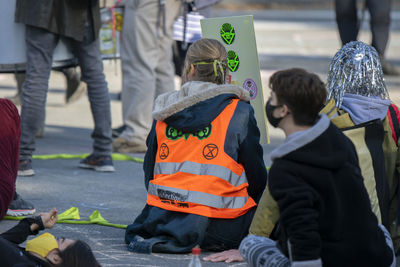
pixel 324 208
pixel 65 17
pixel 13 255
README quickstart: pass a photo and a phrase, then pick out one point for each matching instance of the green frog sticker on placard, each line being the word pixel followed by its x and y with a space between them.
pixel 227 33
pixel 233 61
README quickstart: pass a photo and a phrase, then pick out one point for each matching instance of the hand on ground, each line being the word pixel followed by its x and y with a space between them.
pixel 49 219
pixel 228 256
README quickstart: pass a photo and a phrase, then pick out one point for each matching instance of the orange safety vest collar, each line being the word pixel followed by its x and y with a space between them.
pixel 193 174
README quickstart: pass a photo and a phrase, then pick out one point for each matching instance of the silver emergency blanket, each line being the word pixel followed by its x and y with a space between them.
pixel 356 69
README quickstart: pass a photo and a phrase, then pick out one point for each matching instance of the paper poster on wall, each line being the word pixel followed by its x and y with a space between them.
pixel 237 35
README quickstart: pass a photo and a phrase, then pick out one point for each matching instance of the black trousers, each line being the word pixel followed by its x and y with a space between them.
pixel 346 18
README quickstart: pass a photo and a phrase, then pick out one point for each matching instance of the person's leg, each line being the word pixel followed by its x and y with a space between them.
pixel 9 144
pixel 346 19
pixel 224 234
pixel 141 53
pixel 380 28
pixel 20 78
pixel 40 45
pixel 165 71
pixel 91 64
pixel 380 22
pixel 163 231
pixel 10 202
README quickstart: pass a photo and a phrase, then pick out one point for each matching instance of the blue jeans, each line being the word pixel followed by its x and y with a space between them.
pixel 40 45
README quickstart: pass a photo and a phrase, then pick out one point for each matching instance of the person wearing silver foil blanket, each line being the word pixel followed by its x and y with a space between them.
pixel 325 216
pixel 359 104
pixel 349 26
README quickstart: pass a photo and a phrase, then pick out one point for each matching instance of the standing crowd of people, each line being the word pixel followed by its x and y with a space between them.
pixel 330 197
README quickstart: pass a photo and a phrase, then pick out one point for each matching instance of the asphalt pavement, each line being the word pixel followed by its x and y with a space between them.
pixel 300 38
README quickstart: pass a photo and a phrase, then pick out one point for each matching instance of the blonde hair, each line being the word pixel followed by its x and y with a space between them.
pixel 208 56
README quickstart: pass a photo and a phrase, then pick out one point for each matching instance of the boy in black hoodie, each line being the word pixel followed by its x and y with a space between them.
pixel 325 213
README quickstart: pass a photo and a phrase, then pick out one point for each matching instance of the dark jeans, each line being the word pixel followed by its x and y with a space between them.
pixel 346 18
pixel 40 45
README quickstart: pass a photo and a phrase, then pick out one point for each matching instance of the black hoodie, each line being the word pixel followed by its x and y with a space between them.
pixel 324 207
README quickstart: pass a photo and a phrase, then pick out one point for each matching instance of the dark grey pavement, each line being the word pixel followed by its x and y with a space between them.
pixel 285 39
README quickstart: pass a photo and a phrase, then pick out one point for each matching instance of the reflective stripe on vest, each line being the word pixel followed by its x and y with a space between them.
pixel 193 174
pixel 200 169
pixel 165 192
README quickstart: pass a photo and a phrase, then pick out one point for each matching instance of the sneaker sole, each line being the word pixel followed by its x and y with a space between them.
pixel 98 168
pixel 15 213
pixel 30 172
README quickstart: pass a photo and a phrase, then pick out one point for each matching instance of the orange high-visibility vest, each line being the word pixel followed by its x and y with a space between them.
pixel 193 174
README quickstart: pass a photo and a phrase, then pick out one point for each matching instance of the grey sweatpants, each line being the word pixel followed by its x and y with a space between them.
pixel 146 61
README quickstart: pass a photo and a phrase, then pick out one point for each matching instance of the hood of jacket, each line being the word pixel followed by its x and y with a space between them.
pixel 196 104
pixel 319 145
pixel 365 108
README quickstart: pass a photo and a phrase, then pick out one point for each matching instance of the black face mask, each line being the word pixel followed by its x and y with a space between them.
pixel 269 110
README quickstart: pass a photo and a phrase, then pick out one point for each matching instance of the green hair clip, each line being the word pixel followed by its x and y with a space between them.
pixel 215 63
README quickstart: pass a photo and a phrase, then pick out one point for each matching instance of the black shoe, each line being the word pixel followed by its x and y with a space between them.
pixel 20 207
pixel 98 163
pixel 25 168
pixel 389 69
pixel 116 132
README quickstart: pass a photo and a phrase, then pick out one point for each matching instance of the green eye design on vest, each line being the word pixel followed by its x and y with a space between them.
pixel 233 61
pixel 174 134
pixel 227 33
pixel 203 134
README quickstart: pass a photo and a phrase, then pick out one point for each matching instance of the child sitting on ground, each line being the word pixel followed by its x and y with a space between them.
pixel 204 168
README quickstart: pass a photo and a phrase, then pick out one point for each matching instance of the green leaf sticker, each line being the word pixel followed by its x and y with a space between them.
pixel 233 61
pixel 227 33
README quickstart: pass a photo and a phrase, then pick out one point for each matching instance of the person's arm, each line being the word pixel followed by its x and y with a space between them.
pixel 227 256
pixel 251 156
pixel 19 233
pixel 297 202
pixel 150 157
pixel 30 226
